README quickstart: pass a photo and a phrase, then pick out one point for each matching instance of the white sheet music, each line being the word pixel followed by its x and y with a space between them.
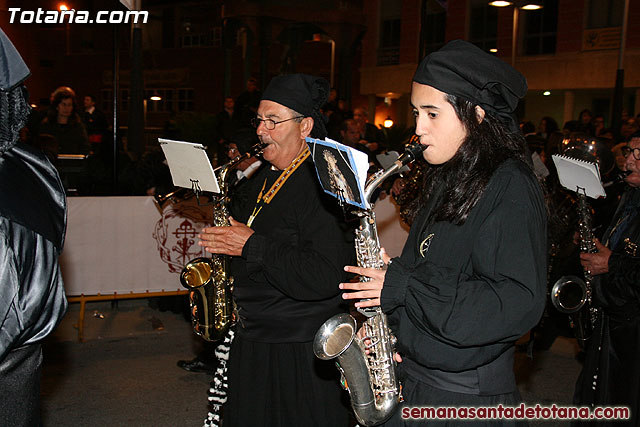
pixel 189 165
pixel 579 176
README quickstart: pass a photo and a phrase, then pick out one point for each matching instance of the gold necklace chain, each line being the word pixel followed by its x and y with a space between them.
pixel 265 198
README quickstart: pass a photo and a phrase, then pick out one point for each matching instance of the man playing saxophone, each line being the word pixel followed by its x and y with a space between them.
pixel 288 243
pixel 611 375
pixel 472 276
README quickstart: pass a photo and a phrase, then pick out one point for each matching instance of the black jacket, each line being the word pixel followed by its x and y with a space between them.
pixel 459 296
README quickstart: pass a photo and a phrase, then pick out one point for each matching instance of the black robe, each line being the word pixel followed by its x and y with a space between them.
pixel 32 297
pixel 613 351
pixel 459 296
pixel 286 286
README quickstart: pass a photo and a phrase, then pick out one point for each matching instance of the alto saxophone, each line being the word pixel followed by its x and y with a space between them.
pixel 208 279
pixel 571 294
pixel 369 378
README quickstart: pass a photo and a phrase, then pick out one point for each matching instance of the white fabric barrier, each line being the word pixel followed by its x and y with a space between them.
pixel 125 245
pixel 392 232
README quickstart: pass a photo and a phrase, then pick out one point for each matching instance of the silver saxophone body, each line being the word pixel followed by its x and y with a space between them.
pixel 571 294
pixel 370 378
pixel 208 280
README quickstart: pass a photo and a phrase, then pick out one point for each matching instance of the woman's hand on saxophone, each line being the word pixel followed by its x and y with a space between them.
pixel 225 240
pixel 367 341
pixel 370 290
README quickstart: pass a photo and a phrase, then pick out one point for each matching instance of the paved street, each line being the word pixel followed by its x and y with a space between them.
pixel 125 372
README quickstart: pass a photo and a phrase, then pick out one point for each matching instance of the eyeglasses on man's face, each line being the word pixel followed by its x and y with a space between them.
pixel 628 150
pixel 270 124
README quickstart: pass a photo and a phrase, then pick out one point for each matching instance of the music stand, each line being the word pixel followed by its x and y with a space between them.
pixel 190 166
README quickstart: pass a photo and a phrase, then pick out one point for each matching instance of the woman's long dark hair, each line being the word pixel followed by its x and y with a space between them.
pixel 465 176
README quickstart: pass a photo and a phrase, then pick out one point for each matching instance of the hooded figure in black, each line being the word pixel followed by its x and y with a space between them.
pixel 32 228
pixel 471 279
pixel 288 244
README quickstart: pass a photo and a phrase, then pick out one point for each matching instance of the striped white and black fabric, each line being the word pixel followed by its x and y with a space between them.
pixel 217 394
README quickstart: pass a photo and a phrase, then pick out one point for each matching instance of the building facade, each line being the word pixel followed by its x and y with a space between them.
pixel 194 53
pixel 568 51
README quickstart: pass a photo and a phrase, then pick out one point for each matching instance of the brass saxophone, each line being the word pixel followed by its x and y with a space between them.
pixel 571 294
pixel 369 378
pixel 208 279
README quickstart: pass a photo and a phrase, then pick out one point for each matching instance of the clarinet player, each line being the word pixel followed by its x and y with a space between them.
pixel 471 279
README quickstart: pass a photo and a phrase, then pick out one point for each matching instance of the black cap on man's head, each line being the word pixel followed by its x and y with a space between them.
pixel 302 93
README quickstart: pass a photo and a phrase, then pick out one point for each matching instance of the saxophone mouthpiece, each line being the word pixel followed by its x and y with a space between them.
pixel 259 147
pixel 411 151
pixel 617 179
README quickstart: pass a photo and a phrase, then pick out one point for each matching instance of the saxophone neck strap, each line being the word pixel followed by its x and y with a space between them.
pixel 265 198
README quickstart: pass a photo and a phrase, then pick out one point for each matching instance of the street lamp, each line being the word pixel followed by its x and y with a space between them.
pixel 63 7
pixel 517 5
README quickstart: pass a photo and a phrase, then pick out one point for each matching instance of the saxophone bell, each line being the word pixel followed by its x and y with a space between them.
pixel 569 294
pixel 210 298
pixel 337 339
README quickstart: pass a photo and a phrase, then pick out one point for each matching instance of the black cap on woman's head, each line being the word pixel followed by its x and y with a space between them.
pixel 462 69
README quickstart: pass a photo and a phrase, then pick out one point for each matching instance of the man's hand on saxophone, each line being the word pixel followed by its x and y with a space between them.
pixel 597 262
pixel 225 240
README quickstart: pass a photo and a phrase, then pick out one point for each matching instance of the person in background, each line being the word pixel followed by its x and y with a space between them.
pixel 585 122
pixel 64 124
pixel 33 214
pixel 546 127
pixel 350 135
pixel 370 135
pixel 95 122
pixel 246 104
pixel 227 122
pixel 598 125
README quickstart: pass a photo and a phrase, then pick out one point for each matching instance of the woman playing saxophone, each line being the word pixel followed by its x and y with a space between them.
pixel 472 275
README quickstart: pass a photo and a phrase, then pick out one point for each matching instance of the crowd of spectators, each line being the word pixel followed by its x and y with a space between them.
pixel 79 140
